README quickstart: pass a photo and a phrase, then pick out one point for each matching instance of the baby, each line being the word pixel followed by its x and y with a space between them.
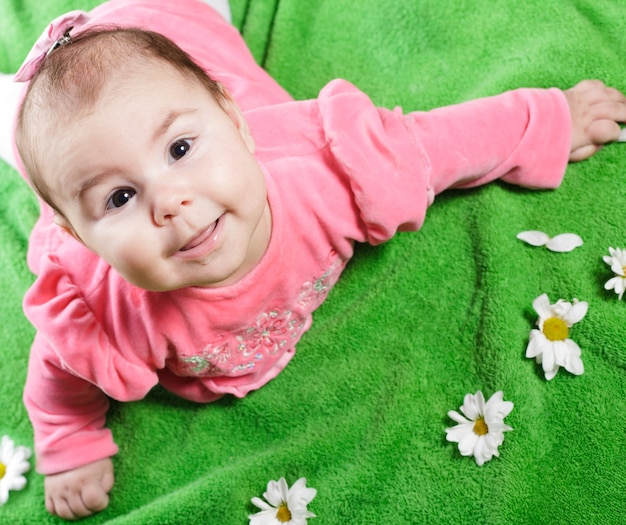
pixel 191 224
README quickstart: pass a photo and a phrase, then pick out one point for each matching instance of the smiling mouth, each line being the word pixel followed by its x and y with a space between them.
pixel 203 243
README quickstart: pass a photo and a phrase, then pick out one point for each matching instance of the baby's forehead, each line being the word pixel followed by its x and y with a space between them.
pixel 133 82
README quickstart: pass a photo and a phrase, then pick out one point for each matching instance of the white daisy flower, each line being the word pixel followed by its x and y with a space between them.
pixel 550 345
pixel 480 430
pixel 564 242
pixel 286 505
pixel 617 262
pixel 13 464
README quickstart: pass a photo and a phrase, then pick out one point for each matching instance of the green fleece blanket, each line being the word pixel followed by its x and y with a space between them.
pixel 415 324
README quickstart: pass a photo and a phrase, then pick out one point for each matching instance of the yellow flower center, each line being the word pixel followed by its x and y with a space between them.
pixel 3 470
pixel 283 514
pixel 480 427
pixel 555 329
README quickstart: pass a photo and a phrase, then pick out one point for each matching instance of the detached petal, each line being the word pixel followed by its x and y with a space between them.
pixel 533 237
pixel 565 242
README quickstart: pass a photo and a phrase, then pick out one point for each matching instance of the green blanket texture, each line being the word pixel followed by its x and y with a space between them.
pixel 414 324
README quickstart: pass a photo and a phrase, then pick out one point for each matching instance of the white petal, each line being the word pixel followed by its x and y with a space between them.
pixel 560 352
pixel 473 405
pixel 619 286
pixel 300 495
pixel 575 365
pixel 276 492
pixel 533 237
pixel 505 408
pixel 565 242
pixel 17 483
pixel 265 517
pixel 617 267
pixel 572 348
pixel 549 374
pixel 467 444
pixel 454 415
pixel 457 433
pixel 535 345
pixel 542 305
pixel 258 502
pixel 612 283
pixel 496 408
pixel 483 452
pixel 576 312
pixel 547 358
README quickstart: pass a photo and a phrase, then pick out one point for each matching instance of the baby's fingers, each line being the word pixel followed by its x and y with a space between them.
pixel 609 110
pixel 70 508
pixel 94 498
pixel 597 91
pixel 602 131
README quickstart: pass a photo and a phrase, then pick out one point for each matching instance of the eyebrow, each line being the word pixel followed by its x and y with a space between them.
pixel 169 119
pixel 89 183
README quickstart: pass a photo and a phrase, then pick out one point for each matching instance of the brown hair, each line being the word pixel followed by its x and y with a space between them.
pixel 71 79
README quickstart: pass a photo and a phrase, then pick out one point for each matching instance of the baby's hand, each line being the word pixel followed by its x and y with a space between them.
pixel 596 110
pixel 80 492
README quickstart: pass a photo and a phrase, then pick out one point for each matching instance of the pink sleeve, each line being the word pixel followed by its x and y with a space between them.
pixel 395 164
pixel 75 365
pixel 522 137
pixel 67 413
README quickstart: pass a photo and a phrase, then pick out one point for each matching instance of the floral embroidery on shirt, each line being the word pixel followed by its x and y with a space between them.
pixel 201 366
pixel 206 363
pixel 270 334
pixel 316 291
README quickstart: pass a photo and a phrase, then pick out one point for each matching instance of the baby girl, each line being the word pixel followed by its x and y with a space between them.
pixel 194 215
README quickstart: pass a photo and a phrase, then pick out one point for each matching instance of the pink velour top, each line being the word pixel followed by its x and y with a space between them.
pixel 339 171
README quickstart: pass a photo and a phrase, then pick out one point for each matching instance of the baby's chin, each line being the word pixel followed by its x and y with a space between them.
pixel 169 285
pixel 154 284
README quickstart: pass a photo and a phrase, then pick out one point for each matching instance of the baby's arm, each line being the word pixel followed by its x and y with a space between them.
pixel 72 445
pixel 595 111
pixel 80 492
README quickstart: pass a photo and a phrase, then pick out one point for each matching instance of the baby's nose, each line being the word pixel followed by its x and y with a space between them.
pixel 169 201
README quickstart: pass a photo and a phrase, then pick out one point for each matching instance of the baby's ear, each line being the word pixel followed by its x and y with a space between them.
pixel 233 110
pixel 61 221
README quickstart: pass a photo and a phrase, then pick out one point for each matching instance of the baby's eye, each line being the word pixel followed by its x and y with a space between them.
pixel 179 149
pixel 120 198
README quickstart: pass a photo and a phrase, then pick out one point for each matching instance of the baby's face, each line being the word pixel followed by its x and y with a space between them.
pixel 160 181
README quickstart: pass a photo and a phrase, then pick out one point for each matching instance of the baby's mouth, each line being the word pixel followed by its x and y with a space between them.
pixel 203 243
pixel 199 239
